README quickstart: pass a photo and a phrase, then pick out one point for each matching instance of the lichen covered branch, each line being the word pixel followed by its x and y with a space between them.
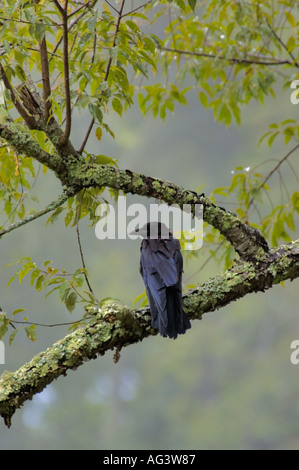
pixel 116 326
pixel 246 240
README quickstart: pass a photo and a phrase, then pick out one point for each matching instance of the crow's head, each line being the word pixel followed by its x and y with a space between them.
pixel 153 230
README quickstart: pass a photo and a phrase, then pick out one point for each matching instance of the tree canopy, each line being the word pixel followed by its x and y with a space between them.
pixel 60 60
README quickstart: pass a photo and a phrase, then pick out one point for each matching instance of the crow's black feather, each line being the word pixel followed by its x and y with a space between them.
pixel 161 267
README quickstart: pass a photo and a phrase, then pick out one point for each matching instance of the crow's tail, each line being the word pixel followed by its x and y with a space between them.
pixel 178 322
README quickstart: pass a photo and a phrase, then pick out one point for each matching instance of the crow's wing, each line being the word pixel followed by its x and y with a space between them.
pixel 161 266
pixel 164 257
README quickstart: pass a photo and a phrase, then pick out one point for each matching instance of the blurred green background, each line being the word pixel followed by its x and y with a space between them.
pixel 228 383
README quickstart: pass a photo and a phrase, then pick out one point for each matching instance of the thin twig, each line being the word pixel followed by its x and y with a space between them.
pixel 78 9
pixel 111 6
pixel 80 247
pixel 51 207
pixel 235 60
pixel 135 9
pixel 275 169
pixel 12 322
pixel 283 44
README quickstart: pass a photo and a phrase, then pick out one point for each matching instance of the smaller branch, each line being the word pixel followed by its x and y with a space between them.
pixel 134 10
pixel 234 60
pixel 78 9
pixel 49 325
pixel 111 6
pixel 294 61
pixel 80 248
pixel 275 169
pixel 51 207
pixel 80 151
pixel 60 8
pixel 45 78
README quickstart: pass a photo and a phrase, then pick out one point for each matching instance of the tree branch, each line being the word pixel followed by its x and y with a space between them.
pixel 234 60
pixel 116 326
pixel 246 240
pixel 275 169
pixel 278 38
pixel 21 140
pixel 51 207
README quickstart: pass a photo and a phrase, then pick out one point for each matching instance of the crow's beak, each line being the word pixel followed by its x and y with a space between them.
pixel 135 231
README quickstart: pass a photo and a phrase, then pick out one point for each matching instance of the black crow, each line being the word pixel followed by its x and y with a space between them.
pixel 161 267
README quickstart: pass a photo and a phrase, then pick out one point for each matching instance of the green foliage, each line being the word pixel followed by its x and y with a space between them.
pixel 16 174
pixel 71 289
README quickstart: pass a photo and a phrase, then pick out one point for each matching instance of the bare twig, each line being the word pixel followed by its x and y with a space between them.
pixel 49 325
pixel 79 9
pixel 275 169
pixel 80 247
pixel 135 9
pixel 51 207
pixel 278 38
pixel 235 60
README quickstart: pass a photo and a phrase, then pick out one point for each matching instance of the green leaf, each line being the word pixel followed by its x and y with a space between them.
pixel 99 133
pixel 295 201
pixel 39 283
pixel 117 106
pixel 30 332
pixel 225 115
pixel 4 326
pixel 192 4
pixel 290 18
pixel 53 217
pixel 96 112
pixel 64 289
pixel 13 335
pixel 272 137
pixel 18 311
pixel 34 275
pixel 291 44
pixel 70 301
pixel 203 99
pixel 39 31
pixel 20 73
pixel 104 160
